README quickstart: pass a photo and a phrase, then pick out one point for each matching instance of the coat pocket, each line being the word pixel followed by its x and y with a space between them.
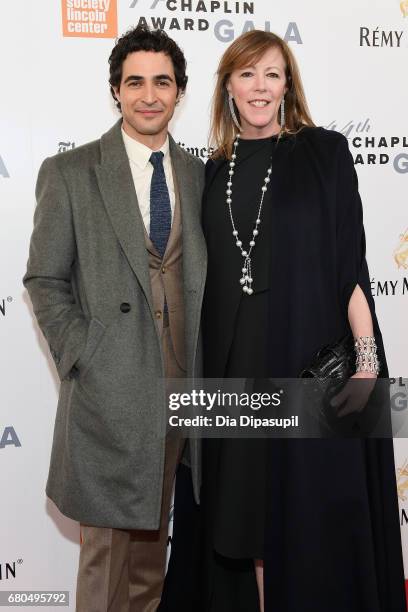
pixel 96 331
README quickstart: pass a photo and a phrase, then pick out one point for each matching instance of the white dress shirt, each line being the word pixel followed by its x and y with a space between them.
pixel 142 171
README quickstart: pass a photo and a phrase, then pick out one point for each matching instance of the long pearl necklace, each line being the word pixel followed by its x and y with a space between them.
pixel 247 279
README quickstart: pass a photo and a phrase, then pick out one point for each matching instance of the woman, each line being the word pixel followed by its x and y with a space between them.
pixel 290 525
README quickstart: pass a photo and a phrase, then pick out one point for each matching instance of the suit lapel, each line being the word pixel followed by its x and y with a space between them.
pixel 116 186
pixel 194 249
pixel 115 182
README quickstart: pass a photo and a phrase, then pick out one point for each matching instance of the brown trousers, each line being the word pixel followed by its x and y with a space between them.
pixel 124 570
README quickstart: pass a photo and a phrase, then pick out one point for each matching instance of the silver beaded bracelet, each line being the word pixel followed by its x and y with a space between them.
pixel 366 355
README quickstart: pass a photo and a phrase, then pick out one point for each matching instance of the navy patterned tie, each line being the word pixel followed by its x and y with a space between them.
pixel 160 211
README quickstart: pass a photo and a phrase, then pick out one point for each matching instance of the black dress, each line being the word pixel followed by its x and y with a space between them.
pixel 322 514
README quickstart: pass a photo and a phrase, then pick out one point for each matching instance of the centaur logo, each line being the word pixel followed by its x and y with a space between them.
pixel 9 437
pixel 402 481
pixel 89 18
pixel 401 252
pixel 402 486
pixel 3 170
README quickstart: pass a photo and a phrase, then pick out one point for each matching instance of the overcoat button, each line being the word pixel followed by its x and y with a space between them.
pixel 125 307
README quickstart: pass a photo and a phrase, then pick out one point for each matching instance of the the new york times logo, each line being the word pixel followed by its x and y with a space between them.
pixel 202 152
pixel 3 169
pixel 66 145
pixel 202 11
pixel 9 437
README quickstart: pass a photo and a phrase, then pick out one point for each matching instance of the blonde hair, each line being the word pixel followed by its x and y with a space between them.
pixel 246 50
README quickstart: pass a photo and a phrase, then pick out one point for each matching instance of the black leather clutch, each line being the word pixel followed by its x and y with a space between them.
pixel 335 361
pixel 330 370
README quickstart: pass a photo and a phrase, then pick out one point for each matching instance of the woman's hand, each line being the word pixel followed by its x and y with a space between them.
pixel 355 394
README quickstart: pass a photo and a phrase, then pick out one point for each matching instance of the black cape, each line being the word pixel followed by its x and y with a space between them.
pixel 331 536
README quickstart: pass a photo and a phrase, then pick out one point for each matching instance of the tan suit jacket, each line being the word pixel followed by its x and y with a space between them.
pixel 166 277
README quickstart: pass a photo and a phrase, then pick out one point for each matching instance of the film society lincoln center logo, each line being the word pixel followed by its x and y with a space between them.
pixel 89 18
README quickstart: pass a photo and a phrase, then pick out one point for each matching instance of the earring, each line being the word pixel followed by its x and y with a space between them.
pixel 282 113
pixel 232 111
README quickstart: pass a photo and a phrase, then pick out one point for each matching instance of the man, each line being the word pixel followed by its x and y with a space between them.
pixel 116 276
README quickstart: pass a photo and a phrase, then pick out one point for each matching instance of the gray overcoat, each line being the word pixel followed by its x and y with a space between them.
pixel 87 258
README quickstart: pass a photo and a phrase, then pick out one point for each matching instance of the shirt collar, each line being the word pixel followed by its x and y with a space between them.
pixel 138 153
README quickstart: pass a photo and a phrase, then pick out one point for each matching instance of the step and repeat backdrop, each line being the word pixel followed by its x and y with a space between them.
pixel 353 58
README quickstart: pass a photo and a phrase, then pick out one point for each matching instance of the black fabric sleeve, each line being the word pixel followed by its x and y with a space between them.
pixel 350 241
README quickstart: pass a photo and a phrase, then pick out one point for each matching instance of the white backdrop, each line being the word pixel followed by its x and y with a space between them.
pixel 55 95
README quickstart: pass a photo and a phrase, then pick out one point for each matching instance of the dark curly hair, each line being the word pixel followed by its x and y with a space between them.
pixel 142 38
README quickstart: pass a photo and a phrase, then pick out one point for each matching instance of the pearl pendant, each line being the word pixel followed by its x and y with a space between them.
pixel 246 279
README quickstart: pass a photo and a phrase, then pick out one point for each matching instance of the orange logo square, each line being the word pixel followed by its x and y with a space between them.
pixel 89 18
